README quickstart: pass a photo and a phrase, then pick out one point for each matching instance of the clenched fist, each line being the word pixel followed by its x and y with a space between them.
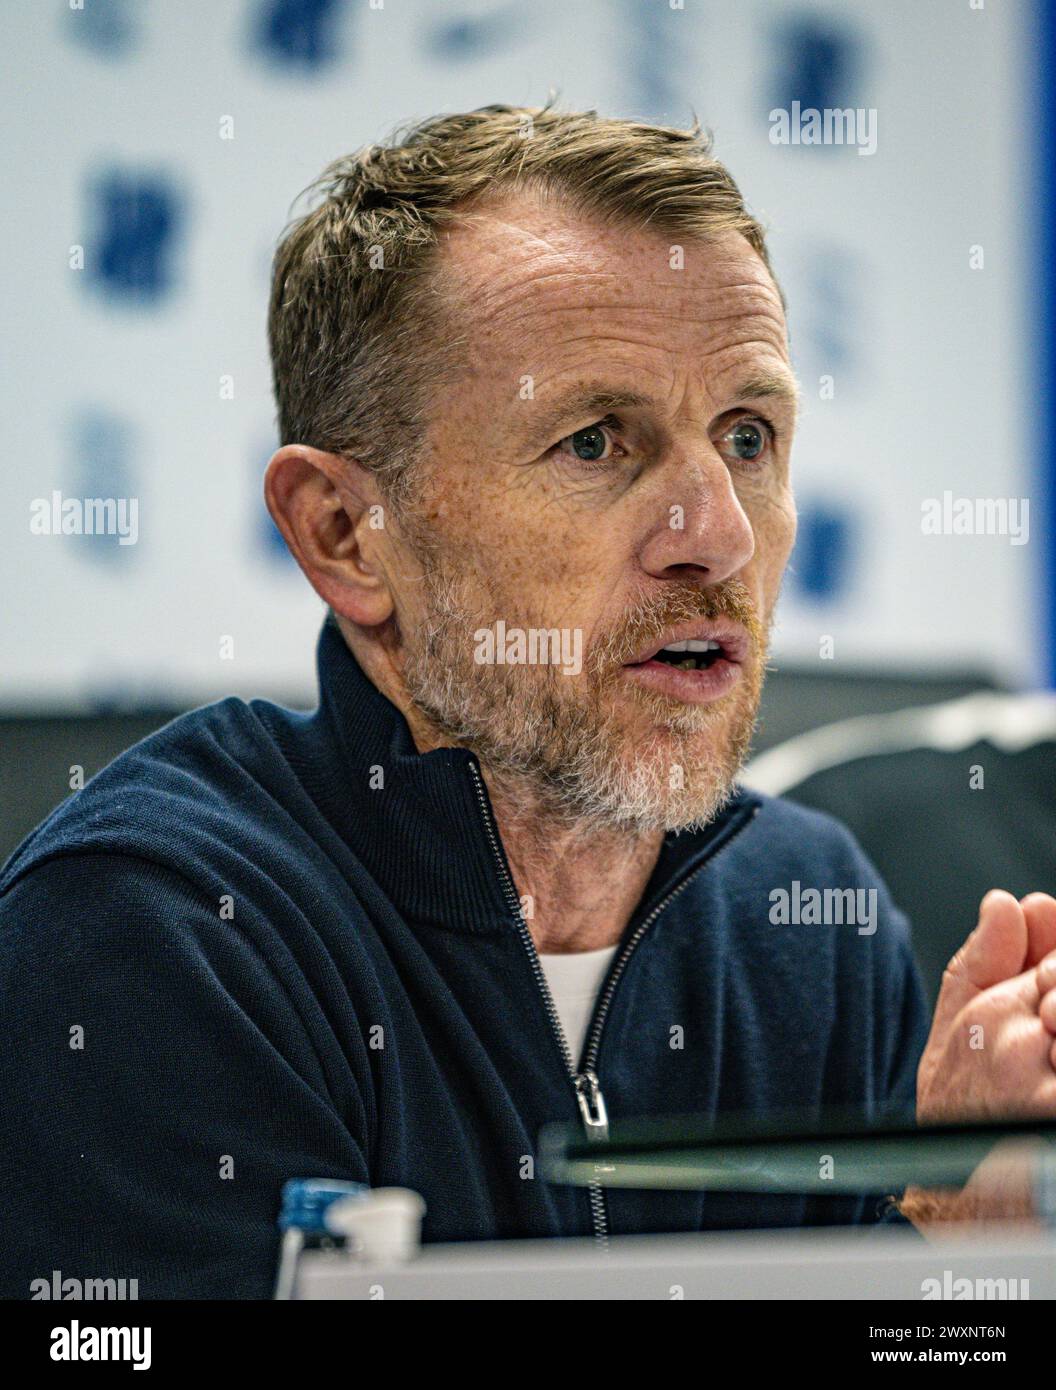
pixel 991 1053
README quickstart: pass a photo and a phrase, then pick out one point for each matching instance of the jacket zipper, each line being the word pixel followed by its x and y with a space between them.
pixel 590 1060
pixel 585 1082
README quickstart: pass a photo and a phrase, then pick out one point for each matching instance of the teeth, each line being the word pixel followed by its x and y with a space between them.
pixel 692 645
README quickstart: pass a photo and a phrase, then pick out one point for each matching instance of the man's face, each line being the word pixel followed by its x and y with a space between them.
pixel 659 511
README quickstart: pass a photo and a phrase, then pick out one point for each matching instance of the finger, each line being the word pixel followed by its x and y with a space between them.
pixel 1027 989
pixel 995 951
pixel 1047 1010
pixel 1040 911
pixel 1046 973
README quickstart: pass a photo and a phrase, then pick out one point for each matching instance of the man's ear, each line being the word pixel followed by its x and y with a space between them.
pixel 322 503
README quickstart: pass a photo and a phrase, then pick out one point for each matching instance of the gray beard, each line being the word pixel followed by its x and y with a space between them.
pixel 560 743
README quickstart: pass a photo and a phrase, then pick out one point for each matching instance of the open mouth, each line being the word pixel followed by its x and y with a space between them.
pixel 693 670
pixel 689 655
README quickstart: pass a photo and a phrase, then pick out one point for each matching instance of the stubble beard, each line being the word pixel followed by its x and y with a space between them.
pixel 580 749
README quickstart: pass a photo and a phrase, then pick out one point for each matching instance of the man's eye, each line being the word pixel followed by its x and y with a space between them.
pixel 591 444
pixel 749 440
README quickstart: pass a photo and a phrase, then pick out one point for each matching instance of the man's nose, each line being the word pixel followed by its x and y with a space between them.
pixel 704 526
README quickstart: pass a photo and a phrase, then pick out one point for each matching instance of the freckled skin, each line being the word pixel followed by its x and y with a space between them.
pixel 564 301
pixel 590 301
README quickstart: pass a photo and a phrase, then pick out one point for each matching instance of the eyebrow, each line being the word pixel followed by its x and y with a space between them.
pixel 579 404
pixel 769 386
pixel 591 402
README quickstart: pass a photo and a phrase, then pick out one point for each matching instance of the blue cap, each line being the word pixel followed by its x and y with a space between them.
pixel 305 1200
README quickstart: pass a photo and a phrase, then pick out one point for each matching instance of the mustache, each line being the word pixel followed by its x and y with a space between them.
pixel 675 606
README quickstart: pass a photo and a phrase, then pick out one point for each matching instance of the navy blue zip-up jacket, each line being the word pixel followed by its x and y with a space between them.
pixel 264 944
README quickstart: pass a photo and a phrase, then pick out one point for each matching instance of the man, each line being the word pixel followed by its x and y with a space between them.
pixel 536 409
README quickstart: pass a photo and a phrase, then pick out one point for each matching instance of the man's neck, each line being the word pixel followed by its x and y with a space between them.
pixel 578 885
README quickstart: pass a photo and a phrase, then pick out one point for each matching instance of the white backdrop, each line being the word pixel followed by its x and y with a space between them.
pixel 114 372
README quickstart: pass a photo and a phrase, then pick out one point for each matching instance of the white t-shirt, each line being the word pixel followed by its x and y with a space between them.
pixel 574 981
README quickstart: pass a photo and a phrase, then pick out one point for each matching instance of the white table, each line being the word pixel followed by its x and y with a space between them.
pixel 846 1264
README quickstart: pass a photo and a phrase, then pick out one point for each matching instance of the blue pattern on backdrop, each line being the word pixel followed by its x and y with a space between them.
pixel 138 216
pixel 106 27
pixel 819 64
pixel 471 36
pixel 822 561
pixel 298 33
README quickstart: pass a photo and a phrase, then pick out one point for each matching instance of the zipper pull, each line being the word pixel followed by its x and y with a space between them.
pixel 591 1105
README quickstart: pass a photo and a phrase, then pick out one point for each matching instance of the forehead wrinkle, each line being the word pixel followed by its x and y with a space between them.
pixel 590 248
pixel 521 305
pixel 553 336
pixel 674 296
pixel 661 360
pixel 498 294
pixel 516 301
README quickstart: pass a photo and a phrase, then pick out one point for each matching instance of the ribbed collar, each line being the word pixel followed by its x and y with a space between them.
pixel 423 834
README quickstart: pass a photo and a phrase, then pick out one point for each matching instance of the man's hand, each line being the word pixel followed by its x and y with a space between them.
pixel 991 1052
